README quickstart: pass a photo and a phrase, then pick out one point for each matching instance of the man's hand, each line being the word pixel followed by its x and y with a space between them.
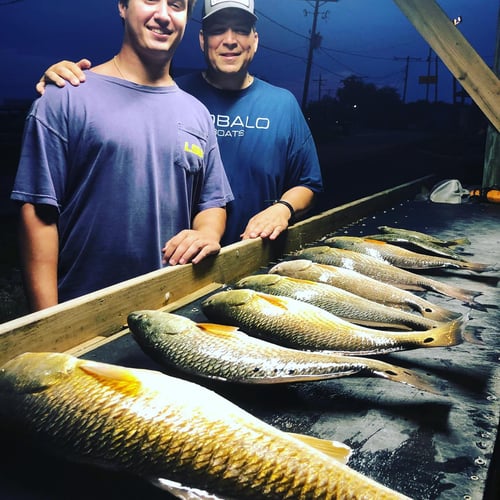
pixel 193 245
pixel 189 246
pixel 62 72
pixel 269 223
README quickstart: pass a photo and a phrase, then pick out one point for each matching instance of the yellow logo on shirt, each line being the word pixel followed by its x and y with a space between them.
pixel 193 149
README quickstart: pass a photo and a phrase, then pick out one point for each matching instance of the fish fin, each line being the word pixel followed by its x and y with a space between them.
pixel 374 241
pixel 300 280
pixel 274 299
pixel 123 378
pixel 178 490
pixel 224 331
pixel 334 449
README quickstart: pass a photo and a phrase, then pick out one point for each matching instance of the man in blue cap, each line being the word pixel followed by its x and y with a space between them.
pixel 266 145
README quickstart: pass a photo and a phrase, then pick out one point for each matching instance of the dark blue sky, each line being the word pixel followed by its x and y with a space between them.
pixel 367 38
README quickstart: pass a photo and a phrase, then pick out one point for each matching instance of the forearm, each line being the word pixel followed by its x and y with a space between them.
pixel 39 248
pixel 211 222
pixel 300 198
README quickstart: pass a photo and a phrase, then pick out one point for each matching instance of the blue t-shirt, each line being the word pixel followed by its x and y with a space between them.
pixel 265 143
pixel 127 166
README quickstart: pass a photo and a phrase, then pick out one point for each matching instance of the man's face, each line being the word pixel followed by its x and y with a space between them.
pixel 154 25
pixel 229 41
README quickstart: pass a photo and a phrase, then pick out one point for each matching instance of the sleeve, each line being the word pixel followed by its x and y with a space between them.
pixel 40 177
pixel 304 166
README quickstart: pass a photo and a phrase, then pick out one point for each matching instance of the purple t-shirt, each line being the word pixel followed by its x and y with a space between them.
pixel 127 166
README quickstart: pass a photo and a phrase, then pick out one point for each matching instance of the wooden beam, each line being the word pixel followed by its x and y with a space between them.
pixel 462 60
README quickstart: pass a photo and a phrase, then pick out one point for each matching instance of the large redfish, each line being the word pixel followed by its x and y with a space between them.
pixel 364 286
pixel 167 429
pixel 342 303
pixel 295 324
pixel 401 257
pixel 388 273
pixel 225 353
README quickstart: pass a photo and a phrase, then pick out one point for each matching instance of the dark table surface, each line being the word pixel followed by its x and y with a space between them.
pixel 426 446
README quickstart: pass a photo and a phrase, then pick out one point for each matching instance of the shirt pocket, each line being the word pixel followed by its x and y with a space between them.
pixel 190 149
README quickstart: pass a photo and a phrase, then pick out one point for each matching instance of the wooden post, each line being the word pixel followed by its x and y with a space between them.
pixel 462 60
pixel 491 172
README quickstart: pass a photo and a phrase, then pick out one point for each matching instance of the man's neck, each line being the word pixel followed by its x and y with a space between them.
pixel 131 67
pixel 225 81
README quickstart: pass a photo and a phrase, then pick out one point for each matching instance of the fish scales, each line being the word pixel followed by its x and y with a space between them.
pixel 362 285
pixel 401 257
pixel 303 326
pixel 342 303
pixel 224 353
pixel 383 271
pixel 157 426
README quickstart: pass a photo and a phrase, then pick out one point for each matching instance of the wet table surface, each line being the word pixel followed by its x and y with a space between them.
pixel 425 446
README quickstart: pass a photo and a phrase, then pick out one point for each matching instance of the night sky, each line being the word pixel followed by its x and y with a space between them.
pixel 366 38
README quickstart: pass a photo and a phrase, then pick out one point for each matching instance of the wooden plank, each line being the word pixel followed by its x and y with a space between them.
pixel 462 60
pixel 103 313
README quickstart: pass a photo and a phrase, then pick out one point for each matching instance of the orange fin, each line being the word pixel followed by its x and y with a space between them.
pixel 334 449
pixel 123 379
pixel 224 331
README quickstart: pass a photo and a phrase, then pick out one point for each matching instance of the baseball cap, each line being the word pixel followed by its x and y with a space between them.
pixel 212 6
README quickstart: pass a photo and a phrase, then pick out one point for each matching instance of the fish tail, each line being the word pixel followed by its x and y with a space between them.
pixel 439 314
pixel 457 242
pixel 446 335
pixel 478 267
pixel 402 376
pixel 464 294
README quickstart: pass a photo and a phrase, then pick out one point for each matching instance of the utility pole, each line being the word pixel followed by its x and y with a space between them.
pixel 408 59
pixel 320 82
pixel 314 43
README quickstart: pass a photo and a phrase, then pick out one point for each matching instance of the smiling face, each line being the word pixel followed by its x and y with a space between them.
pixel 154 26
pixel 229 42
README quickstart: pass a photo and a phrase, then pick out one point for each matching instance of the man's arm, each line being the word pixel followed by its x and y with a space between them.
pixel 62 72
pixel 39 248
pixel 193 245
pixel 272 221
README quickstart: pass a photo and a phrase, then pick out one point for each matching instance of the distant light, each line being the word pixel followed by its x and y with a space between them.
pixel 457 20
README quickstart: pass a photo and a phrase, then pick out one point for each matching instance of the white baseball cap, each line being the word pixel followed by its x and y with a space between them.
pixel 212 6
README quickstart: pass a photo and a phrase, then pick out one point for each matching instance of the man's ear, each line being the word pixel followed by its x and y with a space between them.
pixel 201 38
pixel 121 10
pixel 256 41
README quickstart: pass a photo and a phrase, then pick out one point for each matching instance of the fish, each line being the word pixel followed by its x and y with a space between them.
pixel 338 301
pixel 383 271
pixel 418 245
pixel 364 286
pixel 423 236
pixel 299 325
pixel 163 428
pixel 225 353
pixel 401 257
